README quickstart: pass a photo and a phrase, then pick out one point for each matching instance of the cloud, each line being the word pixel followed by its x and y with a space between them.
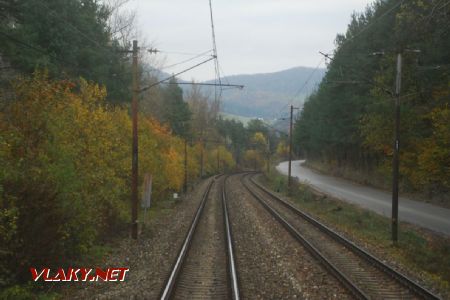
pixel 252 35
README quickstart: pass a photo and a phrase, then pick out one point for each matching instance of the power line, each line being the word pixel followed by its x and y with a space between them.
pixel 373 21
pixel 208 84
pixel 301 88
pixel 17 41
pixel 428 18
pixel 223 73
pixel 176 74
pixel 178 53
pixel 327 55
pixel 65 63
pixel 186 60
pixel 60 61
pixel 86 37
pixel 276 129
pixel 352 53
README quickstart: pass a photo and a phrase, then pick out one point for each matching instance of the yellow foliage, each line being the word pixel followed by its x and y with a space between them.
pixel 66 166
pixel 227 162
pixel 434 158
pixel 282 149
pixel 254 160
pixel 66 169
pixel 259 139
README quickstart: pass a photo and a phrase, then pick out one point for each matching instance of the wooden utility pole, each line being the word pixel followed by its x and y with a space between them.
pixel 185 166
pixel 134 163
pixel 134 116
pixel 202 144
pixel 395 159
pixel 268 154
pixel 290 146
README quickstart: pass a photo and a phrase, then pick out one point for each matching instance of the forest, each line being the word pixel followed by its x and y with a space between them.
pixel 347 125
pixel 65 132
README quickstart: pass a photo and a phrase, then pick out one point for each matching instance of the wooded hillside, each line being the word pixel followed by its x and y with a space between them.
pixel 347 125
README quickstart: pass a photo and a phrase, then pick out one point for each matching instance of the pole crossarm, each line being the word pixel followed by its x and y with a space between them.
pixel 326 55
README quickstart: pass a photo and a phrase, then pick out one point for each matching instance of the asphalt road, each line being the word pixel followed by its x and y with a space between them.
pixel 423 214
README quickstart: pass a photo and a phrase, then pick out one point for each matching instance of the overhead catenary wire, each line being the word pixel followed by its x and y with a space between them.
pixel 20 42
pixel 373 22
pixel 207 84
pixel 178 53
pixel 224 76
pixel 176 74
pixel 367 26
pixel 328 54
pixel 110 49
pixel 61 62
pixel 203 54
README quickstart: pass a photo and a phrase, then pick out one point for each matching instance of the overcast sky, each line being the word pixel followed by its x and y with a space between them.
pixel 252 36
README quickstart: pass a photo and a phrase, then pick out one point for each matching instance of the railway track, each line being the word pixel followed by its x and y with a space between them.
pixel 362 274
pixel 205 265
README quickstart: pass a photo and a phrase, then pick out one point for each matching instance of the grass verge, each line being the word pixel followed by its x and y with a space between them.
pixel 419 253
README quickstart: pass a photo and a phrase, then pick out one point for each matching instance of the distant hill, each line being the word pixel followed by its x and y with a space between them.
pixel 266 93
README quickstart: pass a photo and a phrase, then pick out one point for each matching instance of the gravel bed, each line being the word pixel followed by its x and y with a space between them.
pixel 270 263
pixel 375 283
pixel 149 259
pixel 204 271
pixel 380 252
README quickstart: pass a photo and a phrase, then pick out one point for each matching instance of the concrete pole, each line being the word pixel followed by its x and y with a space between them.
pixel 395 159
pixel 290 147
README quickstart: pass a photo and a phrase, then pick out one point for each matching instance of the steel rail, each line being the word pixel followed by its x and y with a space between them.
pixel 351 287
pixel 170 283
pixel 399 277
pixel 231 258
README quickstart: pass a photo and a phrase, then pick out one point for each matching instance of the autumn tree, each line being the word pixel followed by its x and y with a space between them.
pixel 347 124
pixel 65 178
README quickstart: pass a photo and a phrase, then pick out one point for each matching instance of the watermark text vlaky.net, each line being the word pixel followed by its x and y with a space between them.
pixel 79 274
